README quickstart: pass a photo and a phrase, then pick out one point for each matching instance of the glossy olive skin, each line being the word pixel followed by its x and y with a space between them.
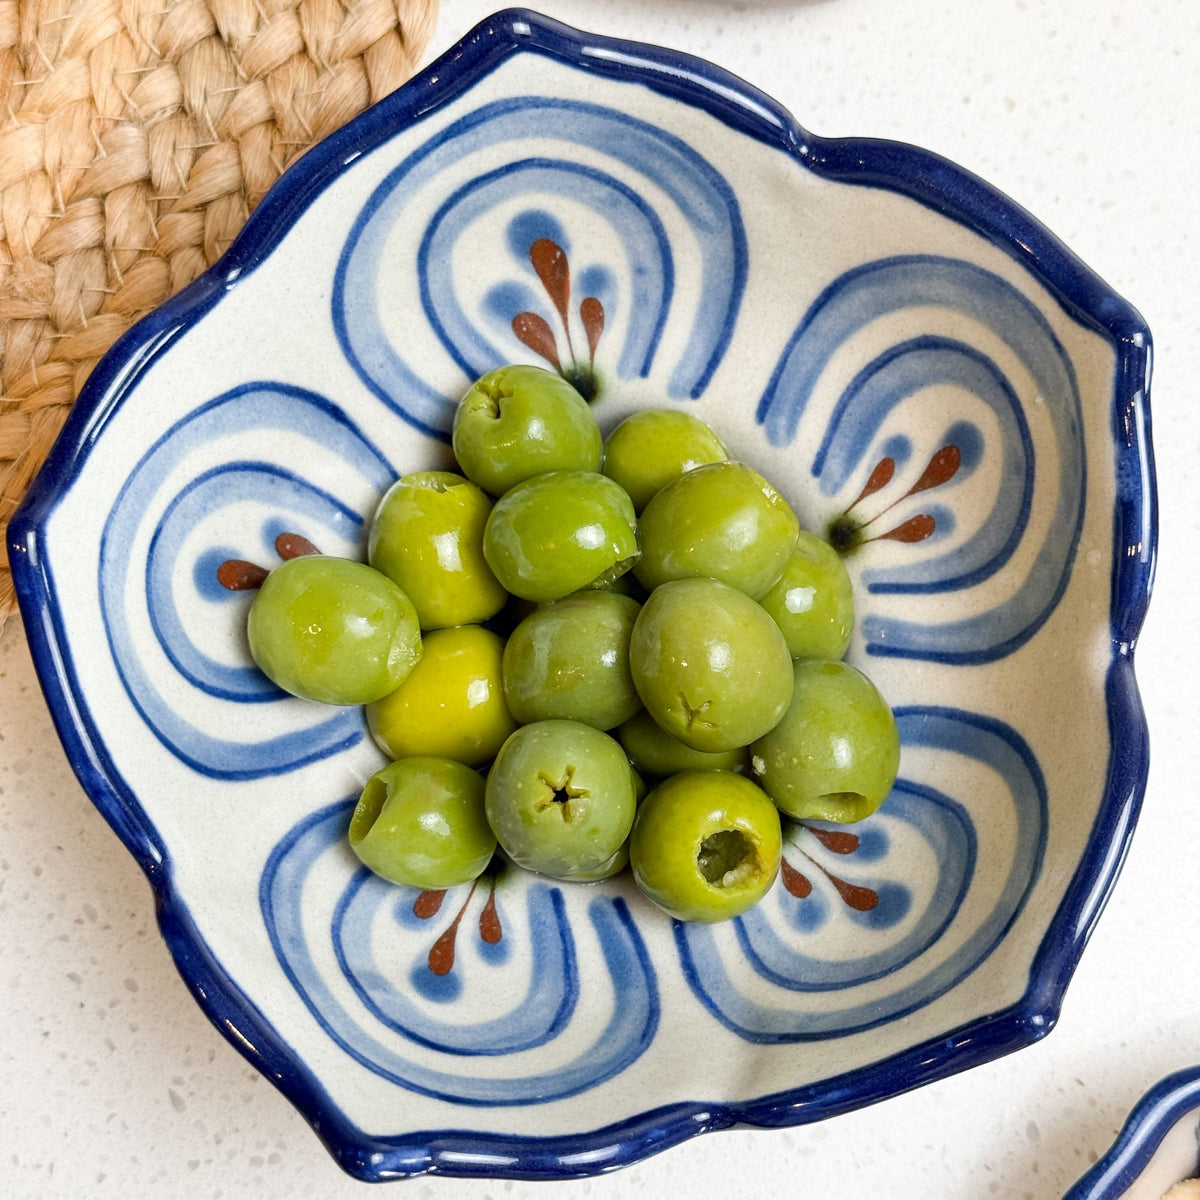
pixel 812 602
pixel 706 845
pixel 710 665
pixel 333 630
pixel 606 870
pixel 557 533
pixel 427 536
pixel 570 659
pixel 519 421
pixel 835 754
pixel 654 751
pixel 421 822
pixel 560 798
pixel 720 521
pixel 654 447
pixel 452 703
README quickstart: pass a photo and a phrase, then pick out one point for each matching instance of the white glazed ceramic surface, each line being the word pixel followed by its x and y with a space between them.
pixel 944 370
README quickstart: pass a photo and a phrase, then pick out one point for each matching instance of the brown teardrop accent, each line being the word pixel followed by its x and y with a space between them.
pixel 942 467
pixel 591 313
pixel 489 920
pixel 428 903
pixel 836 840
pixel 915 529
pixel 533 331
pixel 238 575
pixel 441 953
pixel 880 477
pixel 550 262
pixel 293 545
pixel 861 899
pixel 796 883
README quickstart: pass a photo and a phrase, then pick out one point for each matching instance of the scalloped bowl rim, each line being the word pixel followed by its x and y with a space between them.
pixel 916 173
pixel 1152 1118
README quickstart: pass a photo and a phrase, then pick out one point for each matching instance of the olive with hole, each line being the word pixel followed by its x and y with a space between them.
pixel 421 822
pixel 706 845
pixel 560 798
pixel 835 754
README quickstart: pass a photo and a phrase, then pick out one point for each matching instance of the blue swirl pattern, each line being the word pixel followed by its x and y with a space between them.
pixel 436 1047
pixel 497 132
pixel 148 505
pixel 538 1013
pixel 645 240
pixel 753 975
pixel 890 286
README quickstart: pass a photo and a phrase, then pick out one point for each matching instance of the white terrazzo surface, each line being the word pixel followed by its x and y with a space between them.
pixel 112 1083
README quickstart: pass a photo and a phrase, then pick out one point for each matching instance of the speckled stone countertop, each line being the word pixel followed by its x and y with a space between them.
pixel 1087 112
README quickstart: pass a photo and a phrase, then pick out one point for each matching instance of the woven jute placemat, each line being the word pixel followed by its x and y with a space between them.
pixel 135 138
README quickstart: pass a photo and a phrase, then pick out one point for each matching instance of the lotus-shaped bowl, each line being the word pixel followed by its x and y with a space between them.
pixel 907 354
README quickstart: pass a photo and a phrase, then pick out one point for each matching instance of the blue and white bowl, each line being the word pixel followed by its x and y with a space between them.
pixel 1158 1146
pixel 874 329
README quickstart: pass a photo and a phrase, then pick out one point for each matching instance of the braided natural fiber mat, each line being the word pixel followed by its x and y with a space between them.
pixel 135 138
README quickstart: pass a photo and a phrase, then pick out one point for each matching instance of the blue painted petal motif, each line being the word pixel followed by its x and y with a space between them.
pixel 175 676
pixel 644 237
pixel 864 408
pixel 914 889
pixel 531 1017
pixel 864 418
pixel 389 993
pixel 510 187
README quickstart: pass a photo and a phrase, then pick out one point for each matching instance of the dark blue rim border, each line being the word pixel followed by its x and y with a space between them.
pixel 918 174
pixel 1154 1116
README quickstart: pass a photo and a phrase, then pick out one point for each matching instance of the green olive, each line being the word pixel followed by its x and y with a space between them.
pixel 570 659
pixel 654 447
pixel 421 822
pixel 557 533
pixel 560 798
pixel 653 750
pixel 835 754
pixel 710 665
pixel 427 536
pixel 333 630
pixel 812 602
pixel 452 703
pixel 520 421
pixel 721 521
pixel 706 845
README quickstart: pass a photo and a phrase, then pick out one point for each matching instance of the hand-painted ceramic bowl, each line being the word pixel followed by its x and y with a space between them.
pixel 924 370
pixel 1158 1147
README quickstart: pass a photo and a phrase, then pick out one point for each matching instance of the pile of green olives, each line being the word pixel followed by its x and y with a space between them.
pixel 595 655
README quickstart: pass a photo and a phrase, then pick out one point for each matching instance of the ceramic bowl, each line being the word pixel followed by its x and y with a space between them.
pixel 884 336
pixel 1158 1146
